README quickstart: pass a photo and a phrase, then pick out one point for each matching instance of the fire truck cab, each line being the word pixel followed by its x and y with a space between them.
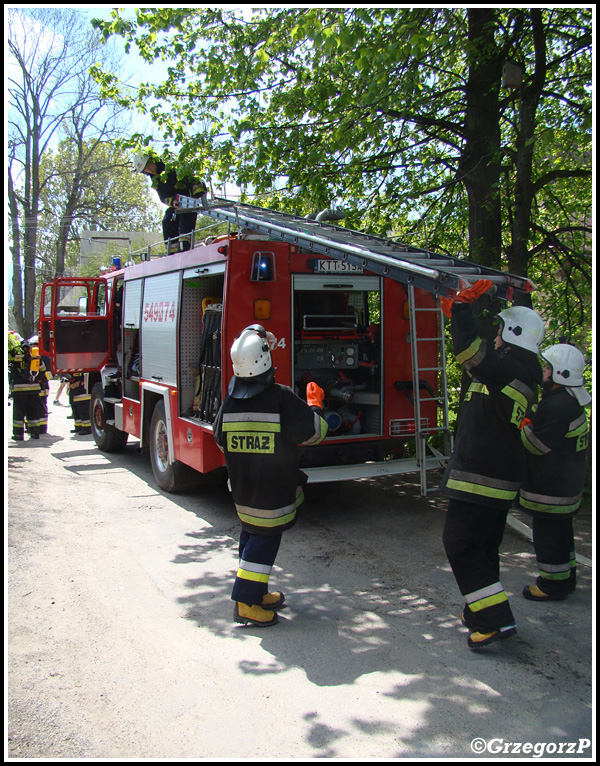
pixel 154 339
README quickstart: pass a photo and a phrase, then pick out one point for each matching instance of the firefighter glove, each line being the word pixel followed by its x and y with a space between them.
pixel 314 395
pixel 469 295
pixel 446 304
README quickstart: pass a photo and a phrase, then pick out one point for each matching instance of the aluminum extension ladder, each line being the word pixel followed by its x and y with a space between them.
pixel 437 273
pixel 428 456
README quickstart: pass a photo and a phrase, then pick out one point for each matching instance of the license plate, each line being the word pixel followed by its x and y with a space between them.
pixel 336 267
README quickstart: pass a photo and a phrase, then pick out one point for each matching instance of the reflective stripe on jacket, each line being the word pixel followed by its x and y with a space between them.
pixel 260 438
pixel 487 464
pixel 555 443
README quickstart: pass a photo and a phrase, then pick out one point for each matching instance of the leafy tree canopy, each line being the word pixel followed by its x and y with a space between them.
pixel 367 108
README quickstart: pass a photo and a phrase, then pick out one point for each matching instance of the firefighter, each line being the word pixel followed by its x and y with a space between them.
pixel 177 227
pixel 80 404
pixel 485 470
pixel 43 377
pixel 259 427
pixel 25 392
pixel 555 441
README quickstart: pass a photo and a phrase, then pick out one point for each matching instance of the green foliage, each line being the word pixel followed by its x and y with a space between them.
pixel 367 109
pixel 109 195
pixel 52 98
pixel 360 107
pixel 13 343
pixel 89 186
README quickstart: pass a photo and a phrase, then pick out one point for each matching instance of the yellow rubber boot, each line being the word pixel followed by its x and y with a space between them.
pixel 273 600
pixel 533 593
pixel 478 639
pixel 255 615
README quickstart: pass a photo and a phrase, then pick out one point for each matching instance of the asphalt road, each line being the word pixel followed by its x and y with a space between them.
pixel 121 644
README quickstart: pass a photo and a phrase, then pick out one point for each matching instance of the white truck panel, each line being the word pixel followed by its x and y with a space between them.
pixel 158 340
pixel 133 299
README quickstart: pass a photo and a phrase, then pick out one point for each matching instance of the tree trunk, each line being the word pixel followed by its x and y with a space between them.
pixel 17 285
pixel 66 222
pixel 29 280
pixel 518 251
pixel 480 161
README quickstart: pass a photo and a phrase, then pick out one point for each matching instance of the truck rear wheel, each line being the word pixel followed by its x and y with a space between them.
pixel 170 476
pixel 107 437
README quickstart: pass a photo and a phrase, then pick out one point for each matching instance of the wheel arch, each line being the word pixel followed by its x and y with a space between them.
pixel 151 394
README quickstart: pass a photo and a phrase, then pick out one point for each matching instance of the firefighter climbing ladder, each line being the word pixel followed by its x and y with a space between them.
pixel 441 275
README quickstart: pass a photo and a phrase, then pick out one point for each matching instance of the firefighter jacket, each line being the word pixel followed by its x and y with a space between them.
pixel 487 464
pixel 260 438
pixel 77 384
pixel 22 379
pixel 555 442
pixel 44 376
pixel 169 188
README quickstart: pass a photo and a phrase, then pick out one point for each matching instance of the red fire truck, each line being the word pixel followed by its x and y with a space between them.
pixel 357 314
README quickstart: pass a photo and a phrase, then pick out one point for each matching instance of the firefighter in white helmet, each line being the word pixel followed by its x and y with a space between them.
pixel 485 470
pixel 177 227
pixel 556 439
pixel 259 427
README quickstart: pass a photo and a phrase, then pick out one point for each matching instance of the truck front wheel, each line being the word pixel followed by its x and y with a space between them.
pixel 107 437
pixel 172 476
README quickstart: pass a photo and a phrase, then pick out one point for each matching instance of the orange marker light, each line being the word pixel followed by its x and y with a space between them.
pixel 262 308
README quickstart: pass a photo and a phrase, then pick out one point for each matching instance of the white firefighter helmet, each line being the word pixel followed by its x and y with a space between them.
pixel 568 364
pixel 140 161
pixel 522 327
pixel 250 353
pixel 252 364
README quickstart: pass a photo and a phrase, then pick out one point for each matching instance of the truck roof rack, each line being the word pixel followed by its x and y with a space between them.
pixel 437 273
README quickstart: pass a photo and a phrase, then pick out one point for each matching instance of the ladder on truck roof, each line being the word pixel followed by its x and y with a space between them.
pixel 440 275
pixel 437 273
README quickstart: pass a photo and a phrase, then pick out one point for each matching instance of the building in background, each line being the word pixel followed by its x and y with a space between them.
pixel 104 244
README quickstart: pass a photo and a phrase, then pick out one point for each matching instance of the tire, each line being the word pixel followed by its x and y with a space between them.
pixel 107 437
pixel 170 476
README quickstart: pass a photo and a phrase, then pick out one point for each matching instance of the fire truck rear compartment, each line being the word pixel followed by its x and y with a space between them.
pixel 337 345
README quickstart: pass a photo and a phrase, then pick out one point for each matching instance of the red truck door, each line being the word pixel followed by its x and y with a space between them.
pixel 74 324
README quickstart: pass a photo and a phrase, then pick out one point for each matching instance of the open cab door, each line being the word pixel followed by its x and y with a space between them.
pixel 75 324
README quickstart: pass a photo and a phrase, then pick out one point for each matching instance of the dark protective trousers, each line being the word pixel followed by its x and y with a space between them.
pixel 26 407
pixel 80 404
pixel 257 556
pixel 43 407
pixel 178 225
pixel 554 547
pixel 472 538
